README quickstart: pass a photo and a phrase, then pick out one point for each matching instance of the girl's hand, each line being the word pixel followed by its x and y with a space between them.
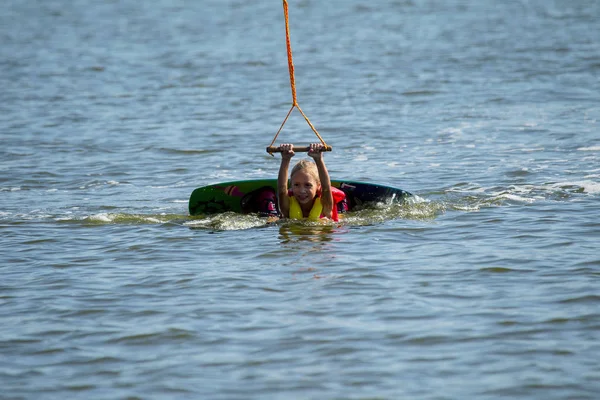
pixel 315 151
pixel 287 151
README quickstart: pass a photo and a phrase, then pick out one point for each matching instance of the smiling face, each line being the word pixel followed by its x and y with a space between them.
pixel 304 187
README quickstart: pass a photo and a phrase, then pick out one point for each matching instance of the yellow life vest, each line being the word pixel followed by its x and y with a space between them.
pixel 296 210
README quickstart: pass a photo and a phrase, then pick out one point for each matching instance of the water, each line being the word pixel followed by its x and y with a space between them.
pixel 485 286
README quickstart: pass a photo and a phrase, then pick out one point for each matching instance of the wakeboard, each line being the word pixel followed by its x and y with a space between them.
pixel 246 196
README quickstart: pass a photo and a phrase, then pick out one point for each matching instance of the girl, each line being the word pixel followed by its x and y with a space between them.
pixel 311 195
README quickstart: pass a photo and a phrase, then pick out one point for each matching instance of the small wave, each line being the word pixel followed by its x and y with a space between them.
pixel 227 222
pixel 423 92
pixel 591 148
pixel 469 197
pixel 503 270
pixel 361 157
pixel 595 299
pixel 120 218
pixel 170 334
pixel 412 208
pixel 579 186
pixel 99 183
pixel 186 151
pixel 515 198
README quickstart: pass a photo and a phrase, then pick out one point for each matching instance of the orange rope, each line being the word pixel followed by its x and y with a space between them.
pixel 292 80
pixel 288 44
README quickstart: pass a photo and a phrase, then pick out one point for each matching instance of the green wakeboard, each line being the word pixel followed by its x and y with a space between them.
pixel 244 196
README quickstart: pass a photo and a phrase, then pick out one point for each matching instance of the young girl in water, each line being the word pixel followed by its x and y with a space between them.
pixel 311 195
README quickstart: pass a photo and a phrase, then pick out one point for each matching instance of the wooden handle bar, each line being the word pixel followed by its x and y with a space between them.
pixel 299 149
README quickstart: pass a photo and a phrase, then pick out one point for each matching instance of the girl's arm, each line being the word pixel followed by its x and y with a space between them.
pixel 326 196
pixel 287 152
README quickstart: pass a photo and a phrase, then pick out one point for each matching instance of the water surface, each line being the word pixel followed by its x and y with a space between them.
pixel 485 286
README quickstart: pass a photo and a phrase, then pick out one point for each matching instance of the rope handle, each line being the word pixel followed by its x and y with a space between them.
pixel 299 149
pixel 293 86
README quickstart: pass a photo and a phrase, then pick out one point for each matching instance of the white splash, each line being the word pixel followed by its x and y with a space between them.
pixel 514 197
pixel 587 186
pixel 227 222
pixel 103 217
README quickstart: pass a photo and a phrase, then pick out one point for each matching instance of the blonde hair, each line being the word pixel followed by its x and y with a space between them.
pixel 309 166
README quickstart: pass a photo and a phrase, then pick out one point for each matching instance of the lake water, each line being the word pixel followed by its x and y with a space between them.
pixel 485 286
